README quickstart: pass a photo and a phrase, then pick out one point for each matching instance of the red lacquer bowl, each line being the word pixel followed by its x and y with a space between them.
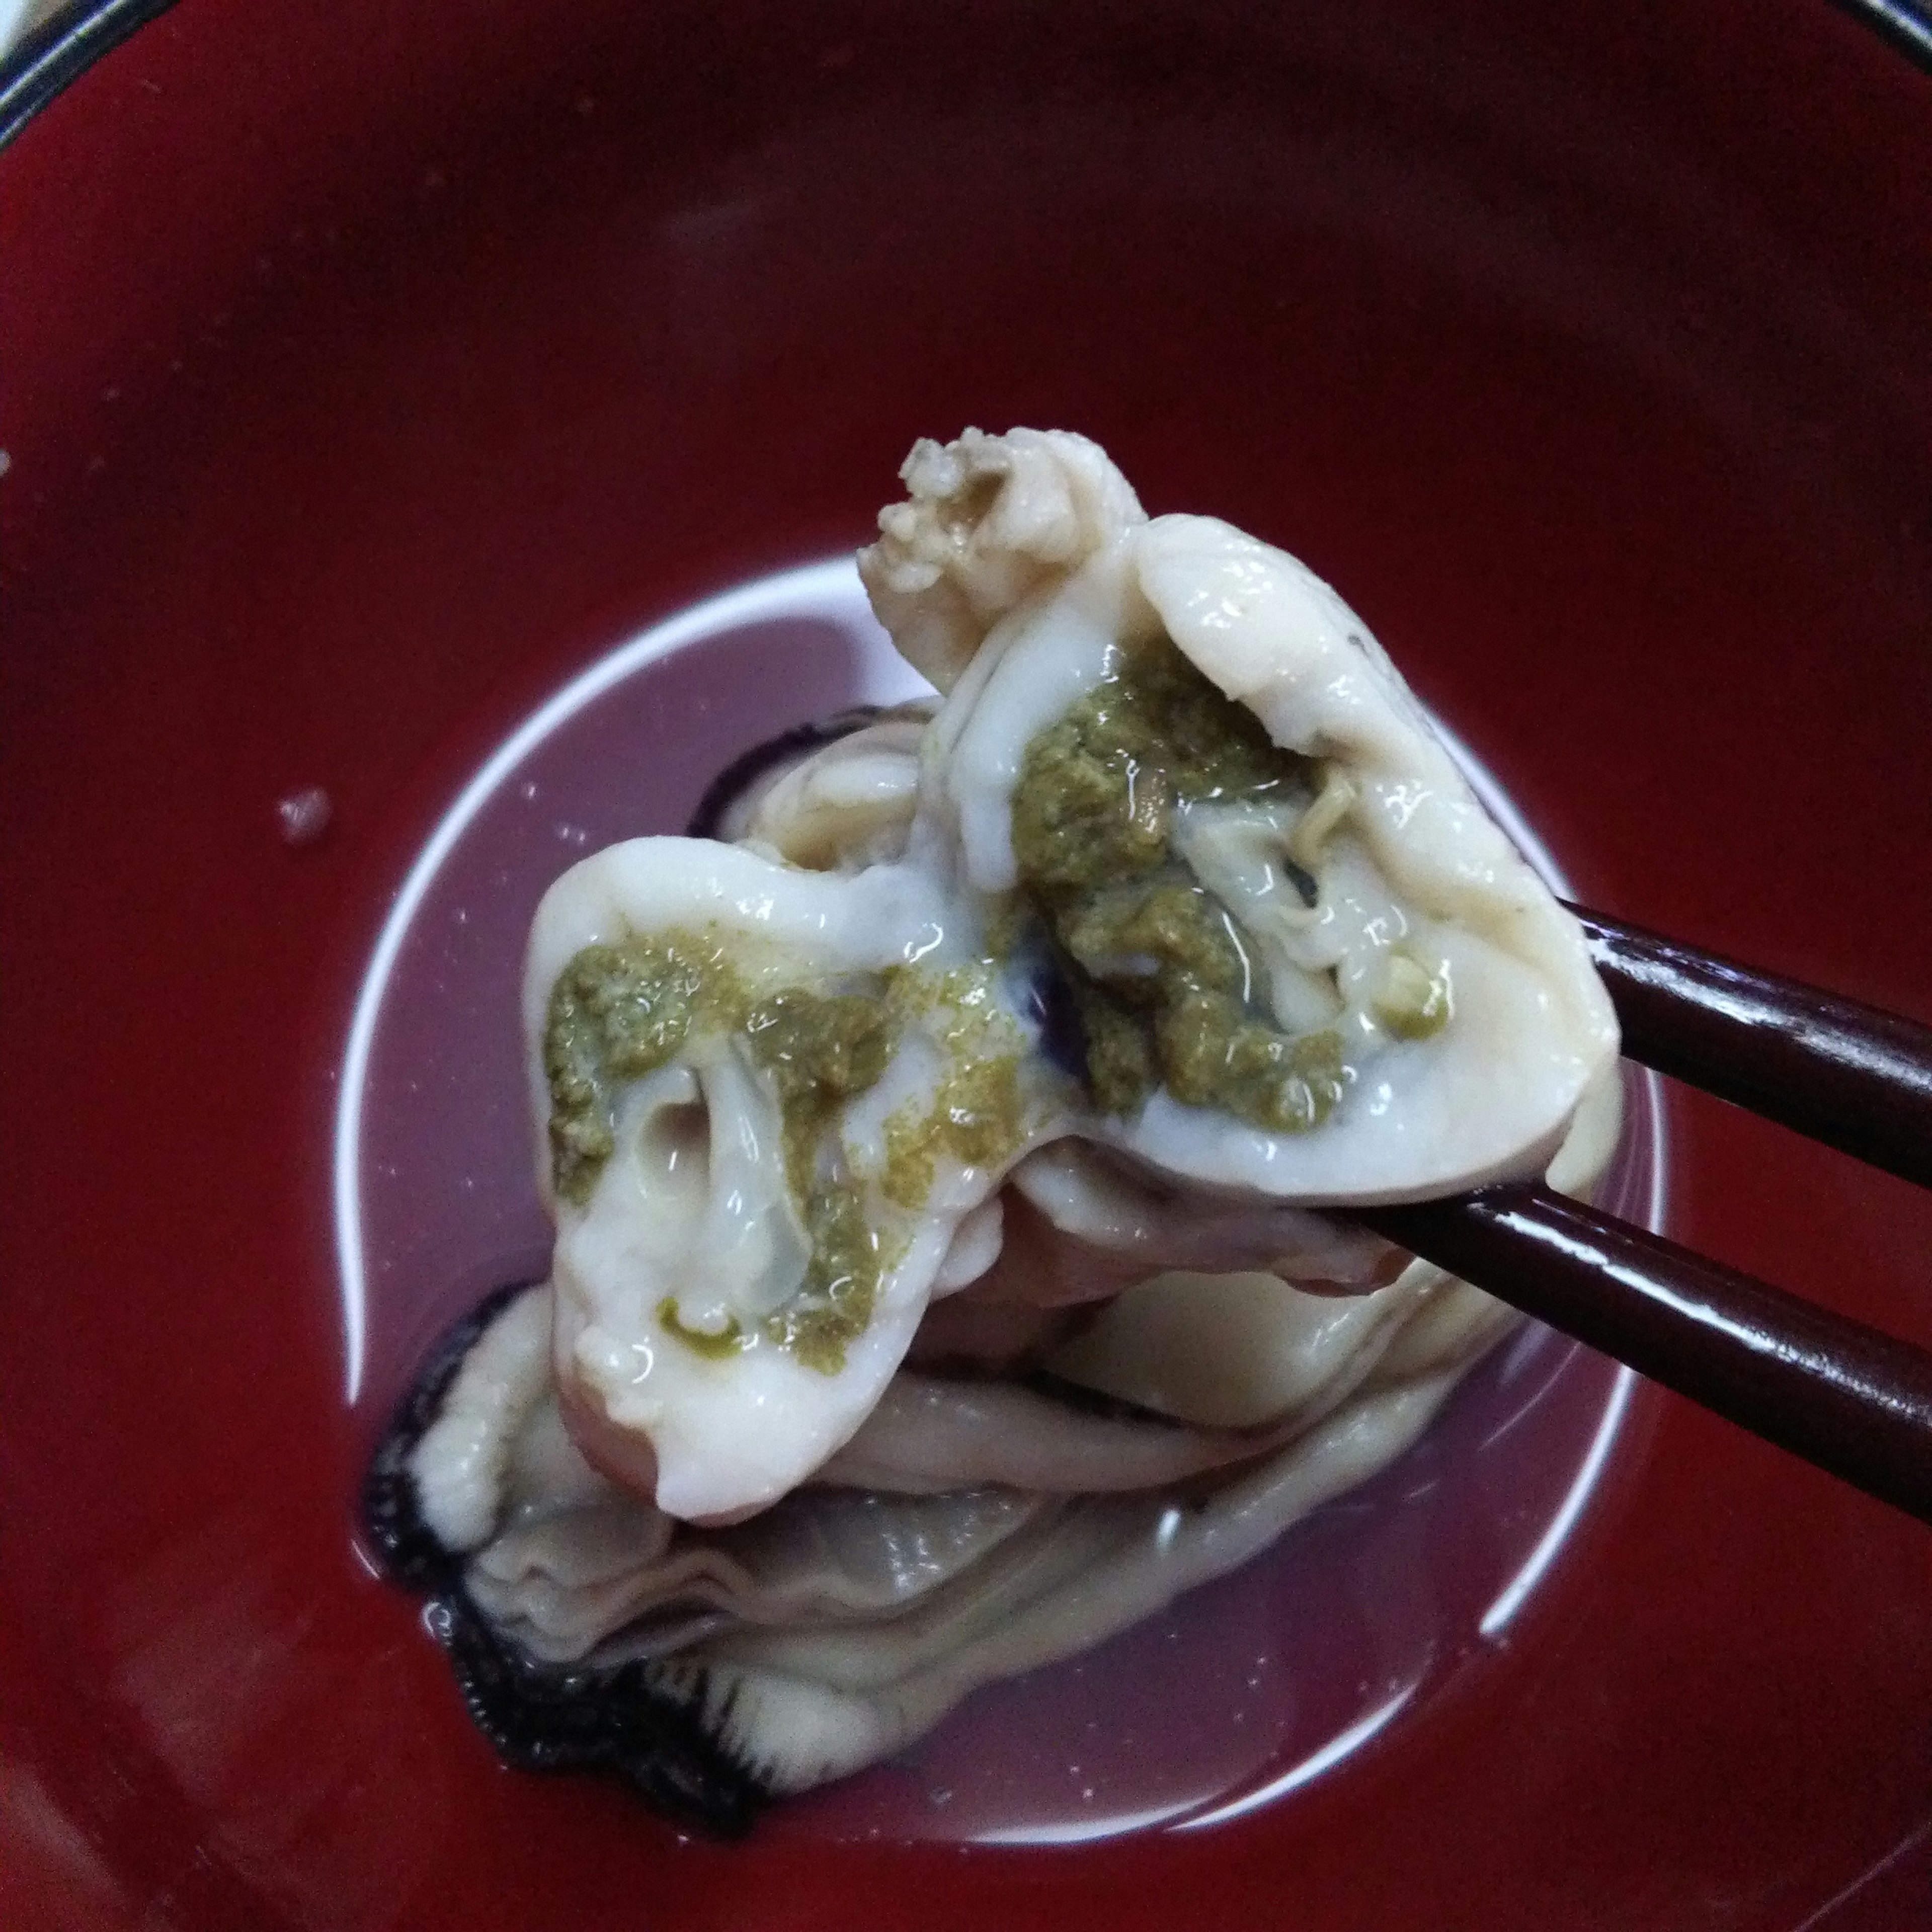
pixel 367 372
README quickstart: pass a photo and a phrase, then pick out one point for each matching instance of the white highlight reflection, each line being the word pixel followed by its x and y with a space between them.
pixel 1080 1831
pixel 1343 1744
pixel 1525 1579
pixel 1564 1522
pixel 1563 1525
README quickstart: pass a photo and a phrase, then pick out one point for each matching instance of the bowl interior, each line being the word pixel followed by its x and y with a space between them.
pixel 374 373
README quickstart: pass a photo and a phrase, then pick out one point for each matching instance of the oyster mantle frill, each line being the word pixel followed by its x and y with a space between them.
pixel 942 1159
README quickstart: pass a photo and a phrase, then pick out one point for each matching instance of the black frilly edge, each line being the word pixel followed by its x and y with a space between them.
pixel 611 1721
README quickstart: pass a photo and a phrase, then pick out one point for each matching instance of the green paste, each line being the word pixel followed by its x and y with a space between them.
pixel 618 1012
pixel 834 1303
pixel 977 1115
pixel 1161 980
pixel 728 1340
pixel 822 1050
pixel 975 1118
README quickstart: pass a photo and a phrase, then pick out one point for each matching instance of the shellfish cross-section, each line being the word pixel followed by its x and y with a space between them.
pixel 944 1150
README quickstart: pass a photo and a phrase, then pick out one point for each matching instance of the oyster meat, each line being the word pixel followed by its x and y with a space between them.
pixel 949 1147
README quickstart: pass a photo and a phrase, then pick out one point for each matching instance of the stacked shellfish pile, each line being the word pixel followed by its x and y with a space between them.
pixel 945 1147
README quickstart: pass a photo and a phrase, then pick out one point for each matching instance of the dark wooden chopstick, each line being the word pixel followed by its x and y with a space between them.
pixel 1854 1401
pixel 1845 1397
pixel 1848 1074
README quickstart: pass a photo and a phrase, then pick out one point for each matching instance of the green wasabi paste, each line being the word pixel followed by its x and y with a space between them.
pixel 616 1013
pixel 620 1012
pixel 1161 980
pixel 822 1050
pixel 977 1117
pixel 977 1114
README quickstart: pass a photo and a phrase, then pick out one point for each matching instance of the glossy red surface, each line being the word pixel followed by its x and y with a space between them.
pixel 369 369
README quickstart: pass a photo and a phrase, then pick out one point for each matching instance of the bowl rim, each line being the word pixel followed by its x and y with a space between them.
pixel 60 51
pixel 46 62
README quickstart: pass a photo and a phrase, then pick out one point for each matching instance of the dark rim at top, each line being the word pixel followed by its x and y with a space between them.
pixel 57 53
